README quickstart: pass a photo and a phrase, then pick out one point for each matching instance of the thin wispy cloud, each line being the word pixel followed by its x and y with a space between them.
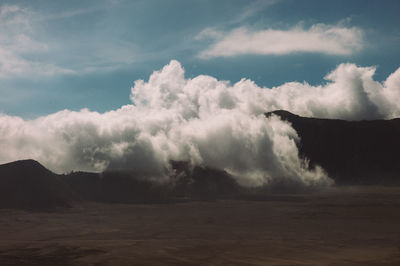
pixel 26 51
pixel 17 40
pixel 73 13
pixel 252 9
pixel 319 38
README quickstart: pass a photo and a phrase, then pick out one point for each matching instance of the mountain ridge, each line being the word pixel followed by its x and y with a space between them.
pixel 27 184
pixel 352 152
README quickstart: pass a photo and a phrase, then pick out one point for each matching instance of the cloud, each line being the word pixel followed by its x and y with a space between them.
pixel 27 51
pixel 350 93
pixel 320 38
pixel 17 42
pixel 251 9
pixel 203 121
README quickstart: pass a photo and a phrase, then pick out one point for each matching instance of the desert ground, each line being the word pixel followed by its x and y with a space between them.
pixel 338 226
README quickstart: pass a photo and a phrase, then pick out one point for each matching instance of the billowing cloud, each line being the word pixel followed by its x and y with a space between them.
pixel 201 120
pixel 320 38
pixel 350 93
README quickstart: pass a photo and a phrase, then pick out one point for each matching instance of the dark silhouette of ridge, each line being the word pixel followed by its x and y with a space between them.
pixel 116 187
pixel 123 187
pixel 28 185
pixel 187 183
pixel 352 152
pixel 85 185
pixel 203 183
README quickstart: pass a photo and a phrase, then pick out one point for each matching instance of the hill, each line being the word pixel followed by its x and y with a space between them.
pixel 188 183
pixel 28 185
pixel 352 152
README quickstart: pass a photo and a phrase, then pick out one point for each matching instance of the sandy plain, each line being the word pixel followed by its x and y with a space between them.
pixel 339 226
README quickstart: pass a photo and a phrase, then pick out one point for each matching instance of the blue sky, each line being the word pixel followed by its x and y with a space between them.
pixel 58 55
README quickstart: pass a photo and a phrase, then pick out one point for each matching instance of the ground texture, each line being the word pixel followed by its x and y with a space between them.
pixel 341 226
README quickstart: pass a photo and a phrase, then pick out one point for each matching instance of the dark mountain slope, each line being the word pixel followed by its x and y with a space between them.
pixel 84 184
pixel 116 187
pixel 187 183
pixel 352 152
pixel 203 183
pixel 28 185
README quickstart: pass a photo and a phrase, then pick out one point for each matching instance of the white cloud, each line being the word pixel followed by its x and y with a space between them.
pixel 320 38
pixel 201 120
pixel 351 93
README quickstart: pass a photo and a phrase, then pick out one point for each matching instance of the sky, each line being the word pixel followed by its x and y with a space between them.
pixel 133 85
pixel 57 55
